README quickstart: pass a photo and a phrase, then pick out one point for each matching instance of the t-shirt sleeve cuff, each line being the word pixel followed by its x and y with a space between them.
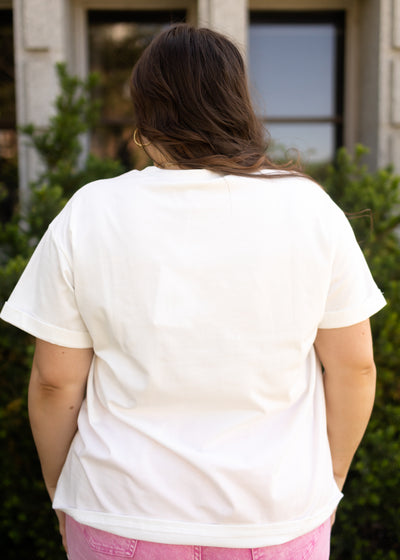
pixel 348 317
pixel 39 329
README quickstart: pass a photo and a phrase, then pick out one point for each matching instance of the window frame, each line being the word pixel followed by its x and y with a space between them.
pixel 338 19
pixel 79 49
pixel 119 125
pixel 8 125
pixel 7 16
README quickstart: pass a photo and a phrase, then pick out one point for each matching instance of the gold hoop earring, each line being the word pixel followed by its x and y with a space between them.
pixel 139 144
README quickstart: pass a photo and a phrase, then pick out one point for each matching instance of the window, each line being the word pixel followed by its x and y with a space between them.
pixel 296 72
pixel 8 136
pixel 116 40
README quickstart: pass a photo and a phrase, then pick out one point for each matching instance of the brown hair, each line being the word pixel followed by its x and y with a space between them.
pixel 191 100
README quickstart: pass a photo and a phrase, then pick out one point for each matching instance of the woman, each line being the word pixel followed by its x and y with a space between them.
pixel 182 314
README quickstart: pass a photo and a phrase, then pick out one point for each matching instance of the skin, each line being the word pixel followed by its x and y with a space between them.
pixel 349 382
pixel 160 160
pixel 59 376
pixel 56 391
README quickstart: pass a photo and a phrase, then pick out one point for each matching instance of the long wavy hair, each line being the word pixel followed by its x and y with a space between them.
pixel 191 100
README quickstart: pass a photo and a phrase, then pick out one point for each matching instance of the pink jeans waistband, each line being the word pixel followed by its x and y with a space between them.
pixel 87 543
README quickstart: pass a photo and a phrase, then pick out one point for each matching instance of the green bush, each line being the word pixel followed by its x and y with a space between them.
pixel 27 524
pixel 368 521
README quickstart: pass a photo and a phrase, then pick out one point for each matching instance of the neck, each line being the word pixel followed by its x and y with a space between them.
pixel 167 165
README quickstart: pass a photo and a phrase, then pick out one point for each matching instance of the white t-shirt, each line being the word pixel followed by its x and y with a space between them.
pixel 201 294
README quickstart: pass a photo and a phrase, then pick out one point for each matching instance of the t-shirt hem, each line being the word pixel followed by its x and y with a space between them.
pixel 348 317
pixel 216 535
pixel 39 329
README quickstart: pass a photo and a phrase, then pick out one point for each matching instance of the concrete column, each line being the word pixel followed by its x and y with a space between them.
pixel 392 140
pixel 229 17
pixel 41 39
pixel 379 124
pixel 370 66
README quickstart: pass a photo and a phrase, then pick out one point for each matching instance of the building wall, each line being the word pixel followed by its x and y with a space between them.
pixel 41 38
pixel 389 98
pixel 230 18
pixel 47 31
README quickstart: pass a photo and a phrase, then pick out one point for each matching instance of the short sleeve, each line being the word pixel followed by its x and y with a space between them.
pixel 353 295
pixel 43 301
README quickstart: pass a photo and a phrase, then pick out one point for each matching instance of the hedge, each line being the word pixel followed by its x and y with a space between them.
pixel 368 520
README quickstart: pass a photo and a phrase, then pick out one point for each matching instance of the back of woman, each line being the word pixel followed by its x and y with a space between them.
pixel 197 291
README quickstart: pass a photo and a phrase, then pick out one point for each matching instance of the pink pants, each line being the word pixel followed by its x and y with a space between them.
pixel 87 543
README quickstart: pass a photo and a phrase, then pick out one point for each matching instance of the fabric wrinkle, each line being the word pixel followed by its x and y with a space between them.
pixel 208 296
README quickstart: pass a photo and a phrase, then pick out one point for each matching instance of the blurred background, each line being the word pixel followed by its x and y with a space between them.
pixel 325 79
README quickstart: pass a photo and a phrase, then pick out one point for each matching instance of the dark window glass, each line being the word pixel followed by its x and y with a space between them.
pixel 8 136
pixel 116 40
pixel 296 75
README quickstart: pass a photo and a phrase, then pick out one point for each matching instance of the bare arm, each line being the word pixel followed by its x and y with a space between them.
pixel 56 391
pixel 349 381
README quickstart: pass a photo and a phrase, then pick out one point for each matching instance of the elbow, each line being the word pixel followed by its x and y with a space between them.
pixel 369 370
pixel 40 388
pixel 45 384
pixel 366 370
pixel 42 382
pixel 360 374
pixel 48 389
pixel 366 379
pixel 368 374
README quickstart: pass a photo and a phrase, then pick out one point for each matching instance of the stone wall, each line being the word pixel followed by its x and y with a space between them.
pixel 389 100
pixel 47 31
pixel 40 38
